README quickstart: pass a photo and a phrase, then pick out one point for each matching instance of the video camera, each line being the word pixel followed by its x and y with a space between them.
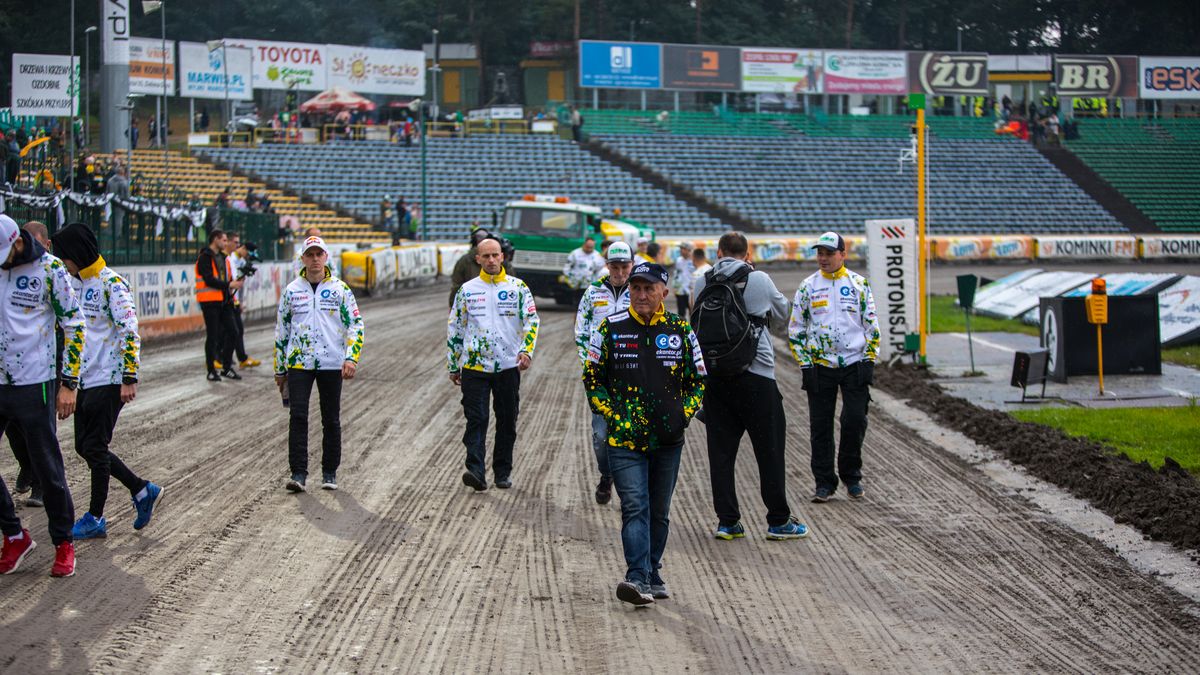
pixel 252 257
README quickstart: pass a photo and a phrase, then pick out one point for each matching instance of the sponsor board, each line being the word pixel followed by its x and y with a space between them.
pixel 282 65
pixel 41 85
pixel 399 72
pixel 620 65
pixel 892 273
pixel 849 72
pixel 448 255
pixel 982 248
pixel 701 68
pixel 114 32
pixel 1170 247
pixel 1087 248
pixel 146 73
pixel 1169 77
pixel 416 262
pixel 1179 312
pixel 1020 297
pixel 782 71
pixel 1096 76
pixel 948 73
pixel 1003 283
pixel 202 73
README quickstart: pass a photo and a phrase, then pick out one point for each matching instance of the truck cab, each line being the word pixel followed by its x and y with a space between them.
pixel 544 229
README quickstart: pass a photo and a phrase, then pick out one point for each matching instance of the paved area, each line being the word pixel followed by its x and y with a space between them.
pixel 939 569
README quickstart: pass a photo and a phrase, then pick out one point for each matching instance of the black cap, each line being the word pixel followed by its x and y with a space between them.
pixel 650 272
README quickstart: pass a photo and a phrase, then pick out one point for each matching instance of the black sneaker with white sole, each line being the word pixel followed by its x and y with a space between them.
pixel 474 482
pixel 634 593
pixel 296 484
pixel 329 481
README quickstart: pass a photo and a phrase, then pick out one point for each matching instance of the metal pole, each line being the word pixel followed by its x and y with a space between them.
pixel 434 73
pixel 71 115
pixel 165 123
pixel 970 342
pixel 424 191
pixel 87 86
pixel 923 305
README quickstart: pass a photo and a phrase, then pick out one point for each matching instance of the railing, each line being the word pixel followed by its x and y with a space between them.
pixel 260 228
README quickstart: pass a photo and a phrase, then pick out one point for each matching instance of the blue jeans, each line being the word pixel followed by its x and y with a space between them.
pixel 600 443
pixel 645 481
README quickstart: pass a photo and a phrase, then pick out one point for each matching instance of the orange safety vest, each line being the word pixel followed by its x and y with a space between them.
pixel 203 292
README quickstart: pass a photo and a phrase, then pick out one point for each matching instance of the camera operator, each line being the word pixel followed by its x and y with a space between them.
pixel 241 259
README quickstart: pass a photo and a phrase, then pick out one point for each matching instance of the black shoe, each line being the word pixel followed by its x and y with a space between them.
pixel 634 593
pixel 604 490
pixel 296 484
pixel 231 374
pixel 213 376
pixel 24 483
pixel 504 483
pixel 35 498
pixel 474 482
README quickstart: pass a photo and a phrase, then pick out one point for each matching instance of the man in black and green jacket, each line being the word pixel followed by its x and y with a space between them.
pixel 644 375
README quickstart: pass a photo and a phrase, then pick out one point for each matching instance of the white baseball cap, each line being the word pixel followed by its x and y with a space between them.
pixel 619 252
pixel 314 242
pixel 830 240
pixel 8 234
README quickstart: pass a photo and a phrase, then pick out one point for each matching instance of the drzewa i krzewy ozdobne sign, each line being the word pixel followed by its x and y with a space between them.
pixel 41 85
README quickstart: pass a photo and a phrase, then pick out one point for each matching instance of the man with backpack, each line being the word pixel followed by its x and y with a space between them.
pixel 834 334
pixel 734 306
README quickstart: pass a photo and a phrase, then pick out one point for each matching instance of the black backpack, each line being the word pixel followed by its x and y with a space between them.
pixel 728 336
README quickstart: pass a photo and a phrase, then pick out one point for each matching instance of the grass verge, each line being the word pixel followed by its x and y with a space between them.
pixel 946 317
pixel 1150 434
pixel 1185 356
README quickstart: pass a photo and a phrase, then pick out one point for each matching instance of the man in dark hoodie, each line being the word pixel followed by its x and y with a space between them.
pixel 213 289
pixel 108 376
pixel 35 294
pixel 467 268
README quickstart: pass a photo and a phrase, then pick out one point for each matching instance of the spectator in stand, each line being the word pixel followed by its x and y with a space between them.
pixel 3 159
pixel 408 132
pixel 414 222
pixel 133 133
pixel 118 187
pixel 14 158
pixel 386 216
pixel 403 217
pixel 576 125
pixel 152 127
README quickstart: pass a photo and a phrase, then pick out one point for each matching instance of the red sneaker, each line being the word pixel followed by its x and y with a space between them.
pixel 15 551
pixel 64 560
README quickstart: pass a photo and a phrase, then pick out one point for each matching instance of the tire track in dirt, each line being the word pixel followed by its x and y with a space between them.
pixel 405 568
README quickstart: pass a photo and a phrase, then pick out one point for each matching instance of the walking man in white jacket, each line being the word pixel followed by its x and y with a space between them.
pixel 318 339
pixel 490 337
pixel 108 377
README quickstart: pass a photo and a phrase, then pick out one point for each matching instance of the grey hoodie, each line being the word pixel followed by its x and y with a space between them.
pixel 762 299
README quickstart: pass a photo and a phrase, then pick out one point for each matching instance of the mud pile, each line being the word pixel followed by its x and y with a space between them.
pixel 1164 504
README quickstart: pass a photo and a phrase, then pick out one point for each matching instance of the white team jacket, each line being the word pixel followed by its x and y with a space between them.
pixel 833 320
pixel 492 321
pixel 113 345
pixel 34 295
pixel 598 303
pixel 583 268
pixel 317 330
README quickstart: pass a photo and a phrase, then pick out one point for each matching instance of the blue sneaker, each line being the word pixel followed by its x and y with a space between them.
pixel 730 532
pixel 855 491
pixel 145 505
pixel 88 527
pixel 822 496
pixel 792 529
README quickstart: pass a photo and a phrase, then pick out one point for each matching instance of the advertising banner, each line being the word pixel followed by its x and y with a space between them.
pixel 948 73
pixel 146 67
pixel 1127 283
pixel 1087 248
pixel 41 85
pixel 892 272
pixel 1169 77
pixel 701 68
pixel 202 73
pixel 620 65
pixel 1171 247
pixel 398 72
pixel 1003 283
pixel 1179 312
pixel 448 255
pixel 280 65
pixel 1096 76
pixel 114 32
pixel 865 73
pixel 782 71
pixel 983 248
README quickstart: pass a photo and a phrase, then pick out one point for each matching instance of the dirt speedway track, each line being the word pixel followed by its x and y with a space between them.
pixel 405 569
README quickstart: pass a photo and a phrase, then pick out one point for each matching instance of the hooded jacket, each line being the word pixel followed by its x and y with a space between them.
pixel 35 292
pixel 317 329
pixel 113 347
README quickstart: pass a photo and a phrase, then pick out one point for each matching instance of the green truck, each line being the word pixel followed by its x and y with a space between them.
pixel 544 229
